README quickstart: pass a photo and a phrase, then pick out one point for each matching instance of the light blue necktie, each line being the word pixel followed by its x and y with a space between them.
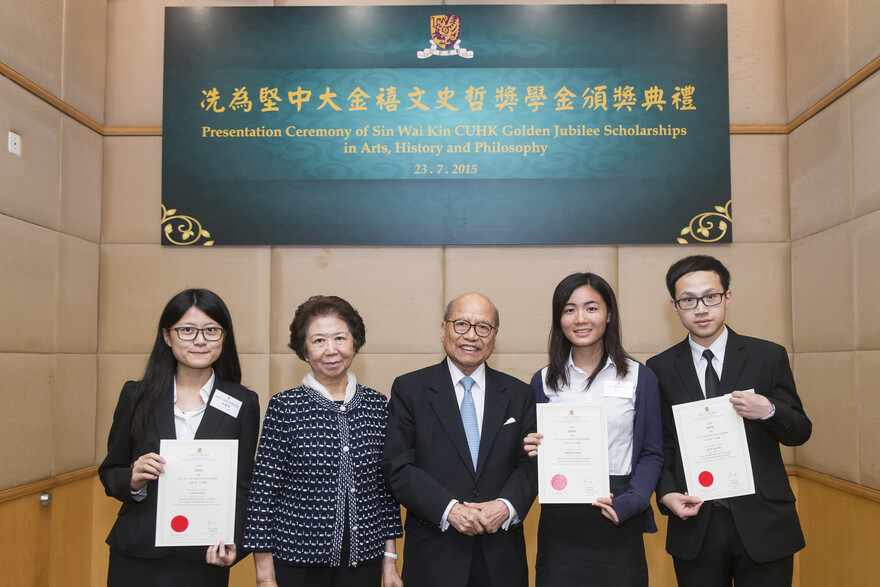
pixel 469 419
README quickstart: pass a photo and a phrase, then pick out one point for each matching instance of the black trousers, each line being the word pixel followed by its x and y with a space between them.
pixel 368 574
pixel 129 571
pixel 723 560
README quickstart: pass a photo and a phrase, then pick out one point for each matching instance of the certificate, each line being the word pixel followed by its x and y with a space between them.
pixel 196 498
pixel 573 458
pixel 714 451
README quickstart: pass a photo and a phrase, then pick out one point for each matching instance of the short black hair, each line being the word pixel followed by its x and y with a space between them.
pixel 696 263
pixel 317 306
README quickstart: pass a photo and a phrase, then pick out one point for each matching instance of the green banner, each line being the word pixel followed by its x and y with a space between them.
pixel 446 125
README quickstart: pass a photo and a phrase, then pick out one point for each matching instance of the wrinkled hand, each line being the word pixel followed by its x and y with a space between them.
pixel 220 555
pixel 390 576
pixel 604 503
pixel 531 443
pixel 682 505
pixel 466 520
pixel 751 406
pixel 148 467
pixel 492 514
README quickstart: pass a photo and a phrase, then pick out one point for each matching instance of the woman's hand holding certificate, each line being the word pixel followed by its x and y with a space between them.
pixel 573 460
pixel 196 498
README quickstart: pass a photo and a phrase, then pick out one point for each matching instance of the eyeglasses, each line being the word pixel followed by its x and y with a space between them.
pixel 463 327
pixel 689 303
pixel 211 333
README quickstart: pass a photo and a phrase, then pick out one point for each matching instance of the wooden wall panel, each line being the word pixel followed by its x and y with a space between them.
pixel 24 541
pixel 842 529
pixel 70 526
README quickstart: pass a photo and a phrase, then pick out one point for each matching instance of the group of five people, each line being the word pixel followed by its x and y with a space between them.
pixel 456 446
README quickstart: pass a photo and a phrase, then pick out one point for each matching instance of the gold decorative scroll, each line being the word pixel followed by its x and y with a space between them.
pixel 708 227
pixel 183 230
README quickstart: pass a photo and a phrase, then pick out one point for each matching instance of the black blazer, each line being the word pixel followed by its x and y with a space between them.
pixel 767 521
pixel 134 532
pixel 427 464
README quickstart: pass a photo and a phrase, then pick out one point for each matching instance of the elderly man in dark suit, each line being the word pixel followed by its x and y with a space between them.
pixel 454 458
pixel 750 539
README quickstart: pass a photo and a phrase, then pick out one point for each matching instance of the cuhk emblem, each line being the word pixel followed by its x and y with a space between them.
pixel 445 41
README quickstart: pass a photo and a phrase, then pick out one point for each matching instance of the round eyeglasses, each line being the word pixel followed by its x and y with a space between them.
pixel 463 327
pixel 211 333
pixel 689 303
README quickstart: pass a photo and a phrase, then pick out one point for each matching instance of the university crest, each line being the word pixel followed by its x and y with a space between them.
pixel 445 32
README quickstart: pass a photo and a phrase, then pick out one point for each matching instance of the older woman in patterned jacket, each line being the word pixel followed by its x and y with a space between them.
pixel 319 512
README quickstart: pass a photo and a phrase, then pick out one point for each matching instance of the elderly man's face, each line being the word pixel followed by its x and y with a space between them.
pixel 467 351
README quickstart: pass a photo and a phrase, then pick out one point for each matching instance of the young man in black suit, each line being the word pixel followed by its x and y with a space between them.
pixel 751 539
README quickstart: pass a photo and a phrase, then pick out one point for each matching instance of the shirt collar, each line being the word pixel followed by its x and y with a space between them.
pixel 479 374
pixel 570 364
pixel 204 392
pixel 350 386
pixel 717 347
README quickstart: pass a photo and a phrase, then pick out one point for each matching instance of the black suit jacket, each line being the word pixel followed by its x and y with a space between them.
pixel 767 521
pixel 427 464
pixel 134 532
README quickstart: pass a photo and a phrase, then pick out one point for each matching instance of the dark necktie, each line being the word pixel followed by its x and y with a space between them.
pixel 712 382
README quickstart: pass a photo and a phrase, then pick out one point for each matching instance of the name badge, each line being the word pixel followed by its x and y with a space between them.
pixel 226 403
pixel 621 389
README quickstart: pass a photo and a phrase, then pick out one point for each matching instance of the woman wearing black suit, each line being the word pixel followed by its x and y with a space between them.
pixel 193 365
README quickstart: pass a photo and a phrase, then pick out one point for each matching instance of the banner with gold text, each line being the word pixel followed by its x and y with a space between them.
pixel 598 124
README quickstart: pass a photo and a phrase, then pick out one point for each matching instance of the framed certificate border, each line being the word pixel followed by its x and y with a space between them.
pixel 714 449
pixel 196 496
pixel 573 458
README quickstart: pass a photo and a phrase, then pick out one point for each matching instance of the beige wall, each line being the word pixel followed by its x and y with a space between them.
pixel 84 276
pixel 835 234
pixel 50 227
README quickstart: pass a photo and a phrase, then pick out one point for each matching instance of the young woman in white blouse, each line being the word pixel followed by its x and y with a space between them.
pixel 601 543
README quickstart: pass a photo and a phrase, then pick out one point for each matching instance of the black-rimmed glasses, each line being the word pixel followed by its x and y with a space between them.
pixel 211 333
pixel 463 327
pixel 689 303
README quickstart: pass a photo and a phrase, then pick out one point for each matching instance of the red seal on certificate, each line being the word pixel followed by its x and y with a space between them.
pixel 706 479
pixel 179 523
pixel 558 482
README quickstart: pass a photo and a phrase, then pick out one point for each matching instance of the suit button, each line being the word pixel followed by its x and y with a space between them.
pixel 476 493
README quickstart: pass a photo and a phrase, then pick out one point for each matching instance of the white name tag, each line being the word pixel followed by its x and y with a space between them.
pixel 621 389
pixel 226 403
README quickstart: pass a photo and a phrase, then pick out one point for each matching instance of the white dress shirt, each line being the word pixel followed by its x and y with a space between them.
pixel 618 397
pixel 186 423
pixel 700 362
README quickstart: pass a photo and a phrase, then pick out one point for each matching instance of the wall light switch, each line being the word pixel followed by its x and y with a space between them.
pixel 14 144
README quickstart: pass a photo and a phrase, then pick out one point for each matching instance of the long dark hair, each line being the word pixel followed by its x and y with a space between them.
pixel 159 375
pixel 559 347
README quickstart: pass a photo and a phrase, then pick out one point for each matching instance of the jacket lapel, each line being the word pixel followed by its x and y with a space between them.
pixel 163 417
pixel 684 365
pixel 211 419
pixel 494 410
pixel 445 406
pixel 735 356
